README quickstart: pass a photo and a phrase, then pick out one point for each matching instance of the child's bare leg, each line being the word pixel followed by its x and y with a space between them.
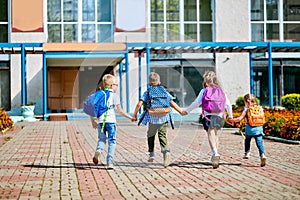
pixel 216 139
pixel 210 139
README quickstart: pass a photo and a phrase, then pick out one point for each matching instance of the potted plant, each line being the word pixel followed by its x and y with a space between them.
pixel 27 111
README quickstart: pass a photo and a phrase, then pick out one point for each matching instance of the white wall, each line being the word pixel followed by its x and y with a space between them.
pixel 232 24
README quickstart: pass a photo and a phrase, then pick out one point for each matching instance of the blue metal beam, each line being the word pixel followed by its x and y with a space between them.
pixel 23 76
pixel 45 97
pixel 140 75
pixel 251 74
pixel 270 72
pixel 121 82
pixel 148 64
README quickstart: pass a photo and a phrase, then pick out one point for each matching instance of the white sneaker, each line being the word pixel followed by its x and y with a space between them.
pixel 166 159
pixel 151 157
pixel 247 155
pixel 96 157
pixel 263 160
pixel 215 161
pixel 110 166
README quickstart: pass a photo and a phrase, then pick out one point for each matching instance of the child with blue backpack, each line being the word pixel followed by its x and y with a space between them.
pixel 214 103
pixel 106 123
pixel 157 115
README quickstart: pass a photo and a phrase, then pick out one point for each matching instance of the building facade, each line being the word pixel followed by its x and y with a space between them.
pixel 66 28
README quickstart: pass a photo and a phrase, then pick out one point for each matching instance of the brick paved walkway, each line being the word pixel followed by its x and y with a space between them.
pixel 53 160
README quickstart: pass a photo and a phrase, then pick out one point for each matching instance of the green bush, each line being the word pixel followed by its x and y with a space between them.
pixel 291 101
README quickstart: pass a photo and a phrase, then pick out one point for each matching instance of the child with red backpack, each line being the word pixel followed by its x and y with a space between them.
pixel 214 102
pixel 254 126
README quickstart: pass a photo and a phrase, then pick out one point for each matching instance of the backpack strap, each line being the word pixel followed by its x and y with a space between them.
pixel 106 112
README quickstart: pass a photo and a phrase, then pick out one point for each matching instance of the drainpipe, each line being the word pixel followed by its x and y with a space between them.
pixel 140 75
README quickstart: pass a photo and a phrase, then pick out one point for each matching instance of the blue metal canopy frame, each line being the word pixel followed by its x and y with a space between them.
pixel 148 48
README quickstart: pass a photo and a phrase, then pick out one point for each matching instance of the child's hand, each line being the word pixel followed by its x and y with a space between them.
pixel 184 113
pixel 94 124
pixel 133 119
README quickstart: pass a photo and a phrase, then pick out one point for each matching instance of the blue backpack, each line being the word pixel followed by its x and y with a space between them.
pixel 158 97
pixel 96 104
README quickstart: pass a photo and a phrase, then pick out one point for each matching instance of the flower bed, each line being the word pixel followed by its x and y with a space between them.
pixel 5 121
pixel 279 123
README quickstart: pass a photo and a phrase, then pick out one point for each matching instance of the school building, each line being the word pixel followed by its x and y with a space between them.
pixel 54 52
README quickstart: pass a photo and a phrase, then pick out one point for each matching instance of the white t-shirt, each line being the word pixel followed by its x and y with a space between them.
pixel 112 102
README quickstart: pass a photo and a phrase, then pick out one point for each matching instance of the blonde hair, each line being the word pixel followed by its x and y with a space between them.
pixel 250 99
pixel 154 78
pixel 210 78
pixel 108 80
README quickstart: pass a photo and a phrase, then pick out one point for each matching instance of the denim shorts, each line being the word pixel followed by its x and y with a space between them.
pixel 215 122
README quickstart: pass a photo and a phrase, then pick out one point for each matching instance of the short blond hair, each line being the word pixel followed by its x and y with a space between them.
pixel 108 80
pixel 154 78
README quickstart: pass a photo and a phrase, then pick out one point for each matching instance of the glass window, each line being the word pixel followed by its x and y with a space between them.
pixel 257 32
pixel 291 10
pixel 3 33
pixel 157 10
pixel 205 10
pixel 172 10
pixel 54 10
pixel 5 85
pixel 88 10
pixel 257 10
pixel 190 10
pixel 70 32
pixel 70 10
pixel 54 33
pixel 3 11
pixel 272 10
pixel 173 33
pixel 105 33
pixel 273 32
pixel 88 33
pixel 205 32
pixel 292 32
pixel 190 32
pixel 104 11
pixel 157 33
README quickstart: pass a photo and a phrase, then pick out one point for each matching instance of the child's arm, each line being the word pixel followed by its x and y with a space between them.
pixel 136 110
pixel 94 124
pixel 176 107
pixel 121 111
pixel 238 119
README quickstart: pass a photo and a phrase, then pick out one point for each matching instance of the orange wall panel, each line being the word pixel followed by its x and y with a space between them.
pixel 27 16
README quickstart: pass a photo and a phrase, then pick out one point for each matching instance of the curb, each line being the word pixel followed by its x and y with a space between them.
pixel 276 139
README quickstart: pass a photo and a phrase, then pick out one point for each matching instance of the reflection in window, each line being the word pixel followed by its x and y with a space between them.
pixel 173 32
pixel 172 10
pixel 157 10
pixel 104 11
pixel 190 10
pixel 88 10
pixel 54 33
pixel 3 33
pixel 257 32
pixel 292 32
pixel 190 32
pixel 205 32
pixel 205 10
pixel 70 32
pixel 291 10
pixel 88 33
pixel 70 10
pixel 273 32
pixel 166 25
pixel 104 33
pixel 272 10
pixel 54 10
pixel 157 32
pixel 257 10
